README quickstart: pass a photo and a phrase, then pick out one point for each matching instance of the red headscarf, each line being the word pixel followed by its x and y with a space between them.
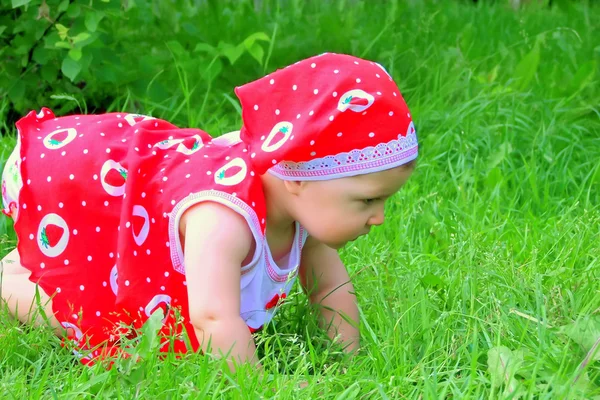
pixel 326 117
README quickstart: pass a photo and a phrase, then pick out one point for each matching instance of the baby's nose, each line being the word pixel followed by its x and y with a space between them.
pixel 378 218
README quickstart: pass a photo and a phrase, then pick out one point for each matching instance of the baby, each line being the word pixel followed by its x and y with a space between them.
pixel 120 214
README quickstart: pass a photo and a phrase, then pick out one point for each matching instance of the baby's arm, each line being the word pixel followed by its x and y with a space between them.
pixel 216 242
pixel 326 281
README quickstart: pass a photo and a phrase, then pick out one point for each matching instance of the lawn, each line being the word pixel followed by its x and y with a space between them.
pixel 483 282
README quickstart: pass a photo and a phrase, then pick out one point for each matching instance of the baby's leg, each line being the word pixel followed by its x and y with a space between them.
pixel 19 293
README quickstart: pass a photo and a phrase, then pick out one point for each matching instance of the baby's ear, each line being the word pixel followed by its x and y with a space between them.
pixel 295 187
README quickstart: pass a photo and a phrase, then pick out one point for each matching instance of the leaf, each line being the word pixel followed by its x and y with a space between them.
pixel 149 339
pixel 585 332
pixel 17 91
pixel 19 3
pixel 502 366
pixel 583 76
pixel 496 158
pixel 92 19
pixel 206 48
pixel 257 52
pixel 63 45
pixel 230 51
pixel 80 37
pixel 432 281
pixel 62 31
pixel 527 67
pixel 2 29
pixel 257 36
pixel 75 54
pixel 70 68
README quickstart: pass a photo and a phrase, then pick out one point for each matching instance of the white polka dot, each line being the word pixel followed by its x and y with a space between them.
pixel 262 137
pixel 24 206
pixel 172 202
pixel 357 80
pixel 356 62
pixel 253 204
pixel 277 112
pixel 255 107
pixel 377 75
pixel 371 134
pixel 63 153
pixel 127 224
pixel 66 262
pixel 60 205
pixel 97 229
pixel 28 181
pixel 83 203
pixel 143 194
pixel 105 203
pixel 111 254
pixel 118 115
pixel 126 283
pixel 274 161
pixel 42 155
pixel 49 178
pixel 331 117
pixel 97 313
pixel 391 113
pixel 313 65
pixel 339 134
pixel 75 232
pixel 208 173
pixel 81 287
pixel 89 258
pixel 153 221
pixel 148 251
pixel 39 208
pixel 312 153
pixel 108 150
pixel 365 113
pixel 135 253
pixel 123 140
pixel 153 153
pixel 168 244
pixel 42 265
pixel 292 137
pixel 272 81
pixel 395 94
pixel 137 148
pixel 104 284
pixel 234 194
pixel 298 116
pixel 31 236
pixel 335 71
pixel 294 87
pixel 162 288
pixel 58 290
pixel 253 155
pixel 262 221
pixel 312 142
pixel 251 173
pixel 148 279
pixel 311 112
pixel 334 94
pixel 71 177
pixel 85 151
pixel 165 178
pixel 184 283
pixel 95 177
pixel 166 273
pixel 102 134
pixel 316 91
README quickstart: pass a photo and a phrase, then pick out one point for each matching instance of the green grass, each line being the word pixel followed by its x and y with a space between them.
pixel 494 242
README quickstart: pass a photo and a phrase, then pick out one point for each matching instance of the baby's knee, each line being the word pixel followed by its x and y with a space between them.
pixel 11 264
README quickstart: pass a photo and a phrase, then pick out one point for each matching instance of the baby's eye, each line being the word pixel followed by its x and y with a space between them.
pixel 370 201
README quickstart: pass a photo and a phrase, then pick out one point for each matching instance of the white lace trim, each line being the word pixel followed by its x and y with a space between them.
pixel 370 159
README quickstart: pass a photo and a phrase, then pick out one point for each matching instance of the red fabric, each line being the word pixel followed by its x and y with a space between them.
pixel 85 235
pixel 327 105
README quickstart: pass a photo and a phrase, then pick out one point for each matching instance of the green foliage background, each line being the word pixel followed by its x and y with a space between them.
pixel 483 283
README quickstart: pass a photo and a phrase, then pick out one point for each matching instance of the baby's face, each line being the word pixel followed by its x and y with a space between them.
pixel 340 210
